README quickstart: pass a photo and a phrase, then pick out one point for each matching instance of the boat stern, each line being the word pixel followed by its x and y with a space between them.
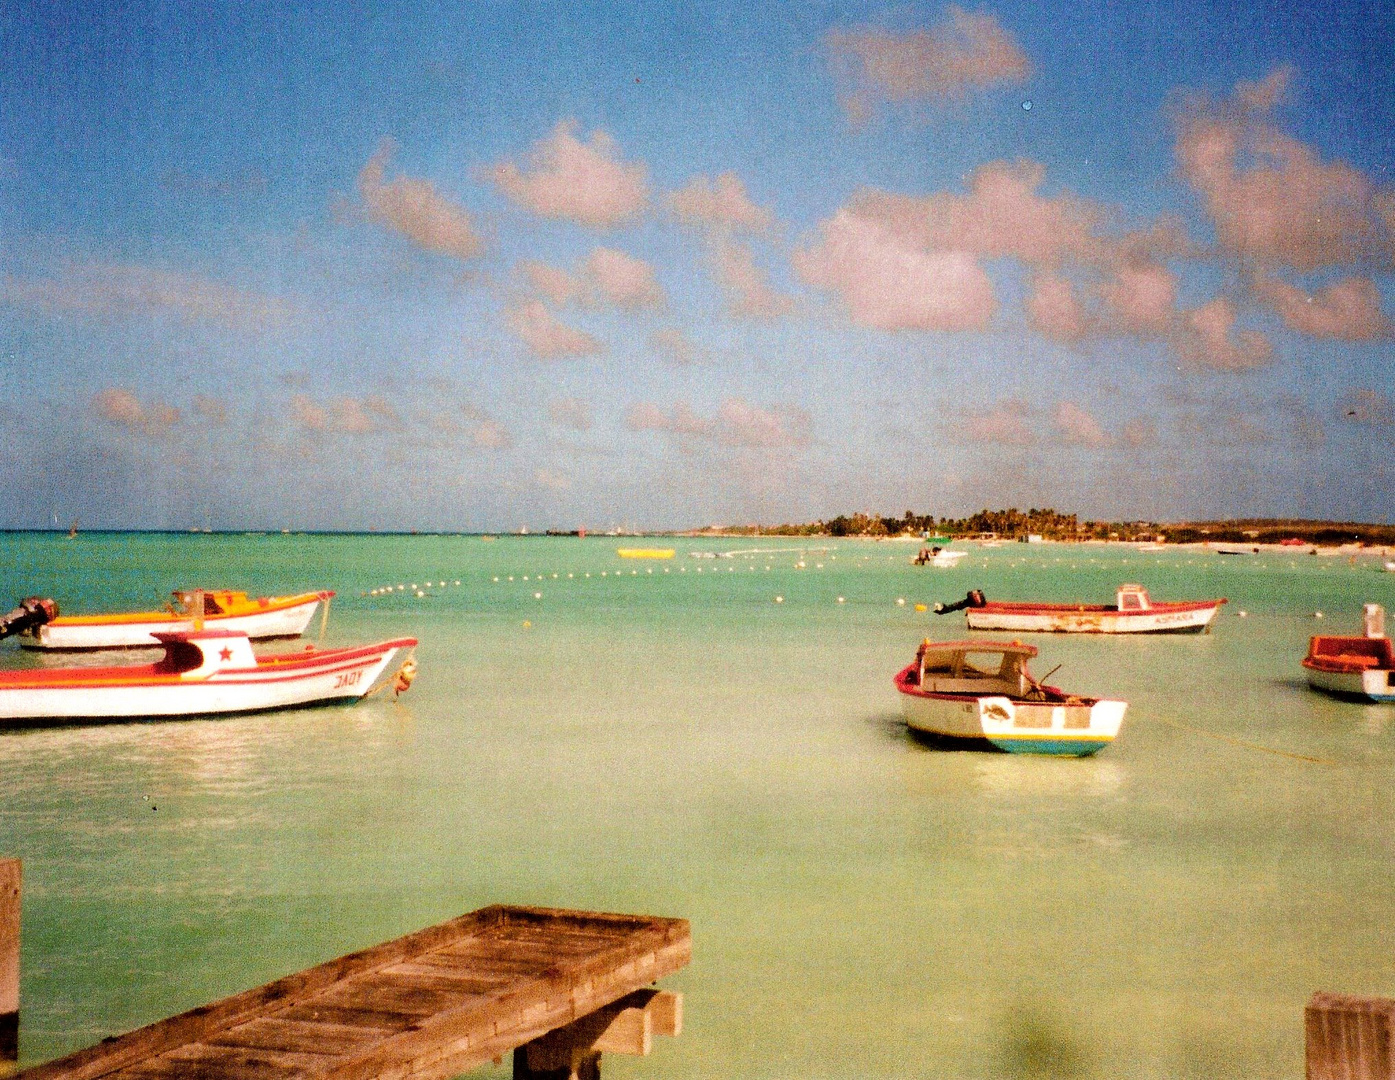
pixel 1071 728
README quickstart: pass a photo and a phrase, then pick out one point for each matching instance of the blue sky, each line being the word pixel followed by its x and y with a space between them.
pixel 489 265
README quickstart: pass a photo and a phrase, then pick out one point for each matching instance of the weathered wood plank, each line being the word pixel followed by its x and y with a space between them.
pixel 300 1036
pixel 10 875
pixel 1349 1038
pixel 111 1054
pixel 427 1006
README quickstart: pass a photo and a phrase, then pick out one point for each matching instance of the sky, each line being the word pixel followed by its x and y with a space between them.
pixel 484 266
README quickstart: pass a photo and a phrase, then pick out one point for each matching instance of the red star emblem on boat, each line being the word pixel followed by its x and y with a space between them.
pixel 225 653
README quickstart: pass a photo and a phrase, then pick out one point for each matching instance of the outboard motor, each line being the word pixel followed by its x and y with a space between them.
pixel 33 612
pixel 974 598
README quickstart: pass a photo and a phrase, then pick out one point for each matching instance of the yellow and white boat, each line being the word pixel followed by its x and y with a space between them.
pixel 217 609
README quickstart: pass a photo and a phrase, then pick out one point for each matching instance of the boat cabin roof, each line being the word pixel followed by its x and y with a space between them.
pixel 939 649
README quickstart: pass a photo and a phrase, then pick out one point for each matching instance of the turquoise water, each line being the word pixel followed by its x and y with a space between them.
pixel 673 741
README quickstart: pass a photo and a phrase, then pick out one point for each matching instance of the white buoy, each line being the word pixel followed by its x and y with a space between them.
pixel 420 593
pixel 1244 614
pixel 779 599
pixel 1317 614
pixel 537 596
pixel 841 600
pixel 496 578
pixel 900 601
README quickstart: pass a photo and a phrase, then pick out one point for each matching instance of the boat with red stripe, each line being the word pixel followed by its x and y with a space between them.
pixel 206 672
pixel 981 691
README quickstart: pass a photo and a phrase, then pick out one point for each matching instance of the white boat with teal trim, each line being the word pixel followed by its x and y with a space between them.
pixel 982 691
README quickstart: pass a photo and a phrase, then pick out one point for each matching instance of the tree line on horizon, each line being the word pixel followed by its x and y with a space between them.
pixel 1050 524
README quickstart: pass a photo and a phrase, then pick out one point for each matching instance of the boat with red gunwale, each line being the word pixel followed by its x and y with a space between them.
pixel 976 691
pixel 204 673
pixel 1134 612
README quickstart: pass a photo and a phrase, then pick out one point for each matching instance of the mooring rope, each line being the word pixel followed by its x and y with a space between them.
pixel 1243 742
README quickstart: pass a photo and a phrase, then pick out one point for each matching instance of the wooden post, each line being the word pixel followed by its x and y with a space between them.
pixel 626 1026
pixel 9 959
pixel 1350 1038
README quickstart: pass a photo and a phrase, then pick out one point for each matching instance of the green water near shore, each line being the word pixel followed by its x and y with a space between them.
pixel 675 742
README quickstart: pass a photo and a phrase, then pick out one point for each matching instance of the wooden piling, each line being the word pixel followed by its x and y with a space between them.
pixel 1349 1038
pixel 9 959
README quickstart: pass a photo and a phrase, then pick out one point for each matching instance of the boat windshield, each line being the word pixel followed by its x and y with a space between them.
pixel 976 664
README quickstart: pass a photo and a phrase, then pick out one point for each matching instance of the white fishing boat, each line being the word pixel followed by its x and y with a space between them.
pixel 1133 612
pixel 204 673
pixel 981 690
pixel 260 618
pixel 1362 668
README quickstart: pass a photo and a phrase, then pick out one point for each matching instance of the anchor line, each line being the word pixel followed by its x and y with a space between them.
pixel 1242 742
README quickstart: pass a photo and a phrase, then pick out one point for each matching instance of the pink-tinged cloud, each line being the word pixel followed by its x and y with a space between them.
pixel 965 53
pixel 570 413
pixel 721 204
pixel 621 279
pixel 1348 309
pixel 491 435
pixel 747 286
pixel 736 423
pixel 1053 309
pixel 1002 215
pixel 1076 427
pixel 888 283
pixel 552 283
pixel 119 406
pixel 1208 338
pixel 546 336
pixel 417 210
pixel 116 291
pixel 1005 423
pixel 673 345
pixel 343 416
pixel 210 411
pixel 605 278
pixel 1142 299
pixel 1270 197
pixel 1139 432
pixel 569 179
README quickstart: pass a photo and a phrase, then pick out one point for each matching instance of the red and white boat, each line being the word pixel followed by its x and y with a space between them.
pixel 204 673
pixel 1133 613
pixel 258 617
pixel 981 690
pixel 1361 668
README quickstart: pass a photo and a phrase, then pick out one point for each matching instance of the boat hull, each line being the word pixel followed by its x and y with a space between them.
pixel 70 695
pixel 1072 728
pixel 1374 684
pixel 288 619
pixel 1084 619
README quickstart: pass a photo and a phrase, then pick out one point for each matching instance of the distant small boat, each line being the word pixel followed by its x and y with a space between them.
pixel 257 617
pixel 1133 613
pixel 981 690
pixel 1236 549
pixel 645 553
pixel 203 673
pixel 936 556
pixel 1362 668
pixel 1389 566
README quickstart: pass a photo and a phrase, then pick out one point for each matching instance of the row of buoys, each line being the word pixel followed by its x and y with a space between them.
pixel 416 588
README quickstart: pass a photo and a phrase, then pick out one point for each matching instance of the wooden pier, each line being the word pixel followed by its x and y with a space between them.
pixel 557 988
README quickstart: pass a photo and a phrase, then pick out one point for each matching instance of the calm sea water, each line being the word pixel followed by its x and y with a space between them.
pixel 663 737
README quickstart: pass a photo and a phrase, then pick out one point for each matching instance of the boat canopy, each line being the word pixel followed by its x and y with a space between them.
pixel 975 666
pixel 1132 598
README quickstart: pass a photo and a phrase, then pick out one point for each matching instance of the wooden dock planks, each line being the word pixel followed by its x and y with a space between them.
pixel 427 1005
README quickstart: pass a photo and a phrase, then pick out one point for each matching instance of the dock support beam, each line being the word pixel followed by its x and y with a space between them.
pixel 1349 1038
pixel 9 960
pixel 626 1026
